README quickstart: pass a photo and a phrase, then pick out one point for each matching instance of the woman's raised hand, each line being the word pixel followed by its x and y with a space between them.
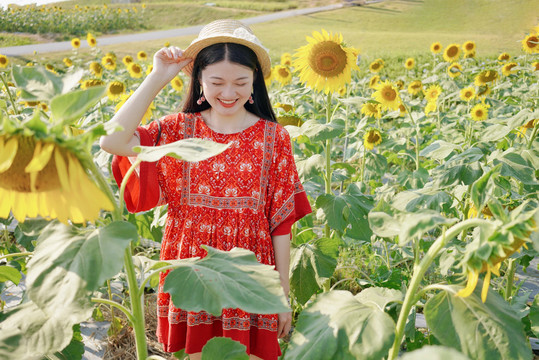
pixel 168 62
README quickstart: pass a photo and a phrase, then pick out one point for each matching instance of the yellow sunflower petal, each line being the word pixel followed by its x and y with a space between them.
pixel 61 168
pixel 473 276
pixel 486 284
pixel 496 269
pixel 5 204
pixel 9 150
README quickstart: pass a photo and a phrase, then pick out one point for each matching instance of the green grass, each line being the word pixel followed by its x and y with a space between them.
pixel 7 39
pixel 397 28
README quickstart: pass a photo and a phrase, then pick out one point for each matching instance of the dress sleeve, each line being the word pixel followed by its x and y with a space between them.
pixel 142 192
pixel 287 200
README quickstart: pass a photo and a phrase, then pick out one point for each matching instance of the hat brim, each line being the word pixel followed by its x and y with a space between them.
pixel 196 46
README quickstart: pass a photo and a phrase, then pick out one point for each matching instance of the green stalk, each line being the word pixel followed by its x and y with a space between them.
pixel 512 268
pixel 88 163
pixel 10 95
pixel 363 161
pixel 416 135
pixel 114 304
pixel 328 158
pixel 534 134
pixel 412 292
pixel 7 256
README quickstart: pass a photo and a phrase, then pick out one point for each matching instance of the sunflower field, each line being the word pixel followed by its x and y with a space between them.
pixel 422 175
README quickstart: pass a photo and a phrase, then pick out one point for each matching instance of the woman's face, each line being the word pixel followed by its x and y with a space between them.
pixel 227 86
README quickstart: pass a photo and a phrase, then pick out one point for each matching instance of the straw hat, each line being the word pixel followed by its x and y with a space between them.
pixel 226 30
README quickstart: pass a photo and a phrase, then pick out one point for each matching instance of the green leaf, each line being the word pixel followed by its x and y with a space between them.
pixel 226 279
pixel 460 174
pixel 71 106
pixel 74 262
pixel 425 198
pixel 339 326
pixel 482 331
pixel 10 273
pixel 311 265
pixel 26 332
pixel 515 166
pixel 495 132
pixel 434 352
pixel 316 131
pixel 39 84
pixel 534 315
pixel 347 212
pixel 379 296
pixel 413 225
pixel 222 348
pixel 438 150
pixel 311 166
pixel 383 224
pixel 479 191
pixel 192 150
pixel 75 350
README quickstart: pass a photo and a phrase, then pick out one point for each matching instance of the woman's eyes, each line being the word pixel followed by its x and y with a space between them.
pixel 220 84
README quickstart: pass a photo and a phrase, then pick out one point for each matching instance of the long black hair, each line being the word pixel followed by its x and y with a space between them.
pixel 238 54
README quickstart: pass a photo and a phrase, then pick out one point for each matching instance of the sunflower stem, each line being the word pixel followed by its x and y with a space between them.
pixel 104 186
pixel 534 134
pixel 328 157
pixel 416 135
pixel 7 256
pixel 419 271
pixel 364 160
pixel 9 94
pixel 114 304
pixel 512 268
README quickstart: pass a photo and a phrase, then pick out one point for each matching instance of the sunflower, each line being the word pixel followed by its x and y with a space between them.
pixel 112 55
pixel 530 43
pixel 487 254
pixel 177 83
pixel 46 178
pixel 141 55
pixel 289 120
pixel 67 62
pixel 285 107
pixel 282 74
pixel 374 81
pixel 535 66
pixel 149 69
pixel 90 39
pixel 286 59
pixel 50 68
pixel 469 55
pixel 372 109
pixel 387 95
pixel 432 92
pixel 529 125
pixel 268 79
pixel 485 77
pixel 467 94
pixel 75 43
pixel 479 112
pixel 507 69
pixel 430 107
pixel 452 53
pixel 115 90
pixel 134 70
pixel 483 91
pixel 371 139
pixel 399 84
pixel 108 62
pixel 409 63
pixel 325 64
pixel 469 47
pixel 127 59
pixel 436 47
pixel 4 61
pixel 415 87
pixel 43 106
pixel 376 66
pixel 503 57
pixel 91 83
pixel 402 110
pixel 96 68
pixel 147 115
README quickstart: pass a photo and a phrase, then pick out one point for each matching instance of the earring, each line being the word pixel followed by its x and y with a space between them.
pixel 201 99
pixel 251 101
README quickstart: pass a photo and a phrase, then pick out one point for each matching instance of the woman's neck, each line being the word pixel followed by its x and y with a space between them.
pixel 229 124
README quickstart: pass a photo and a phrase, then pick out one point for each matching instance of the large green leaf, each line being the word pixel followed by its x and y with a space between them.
pixel 311 166
pixel 26 332
pixel 534 315
pixel 339 326
pixel 39 84
pixel 434 352
pixel 347 212
pixel 482 331
pixel 379 296
pixel 222 348
pixel 75 350
pixel 425 198
pixel 192 150
pixel 226 279
pixel 311 265
pixel 74 262
pixel 316 131
pixel 71 106
pixel 438 150
pixel 479 193
pixel 515 166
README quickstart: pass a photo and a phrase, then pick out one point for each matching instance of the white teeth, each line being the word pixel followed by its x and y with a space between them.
pixel 228 102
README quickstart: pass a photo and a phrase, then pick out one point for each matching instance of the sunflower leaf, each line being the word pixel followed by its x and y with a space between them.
pixel 222 348
pixel 71 106
pixel 39 84
pixel 191 150
pixel 434 352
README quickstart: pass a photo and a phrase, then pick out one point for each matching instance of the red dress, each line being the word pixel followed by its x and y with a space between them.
pixel 238 198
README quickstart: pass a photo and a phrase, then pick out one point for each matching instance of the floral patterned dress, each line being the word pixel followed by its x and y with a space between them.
pixel 239 198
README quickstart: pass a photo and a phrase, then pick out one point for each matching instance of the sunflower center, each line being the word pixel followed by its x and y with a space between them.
pixel 532 41
pixel 389 94
pixel 469 46
pixel 283 72
pixel 16 179
pixel 116 88
pixel 327 59
pixel 373 137
pixel 479 113
pixel 452 51
pixel 3 60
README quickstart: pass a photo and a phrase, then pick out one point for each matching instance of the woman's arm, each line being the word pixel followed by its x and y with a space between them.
pixel 281 248
pixel 167 64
